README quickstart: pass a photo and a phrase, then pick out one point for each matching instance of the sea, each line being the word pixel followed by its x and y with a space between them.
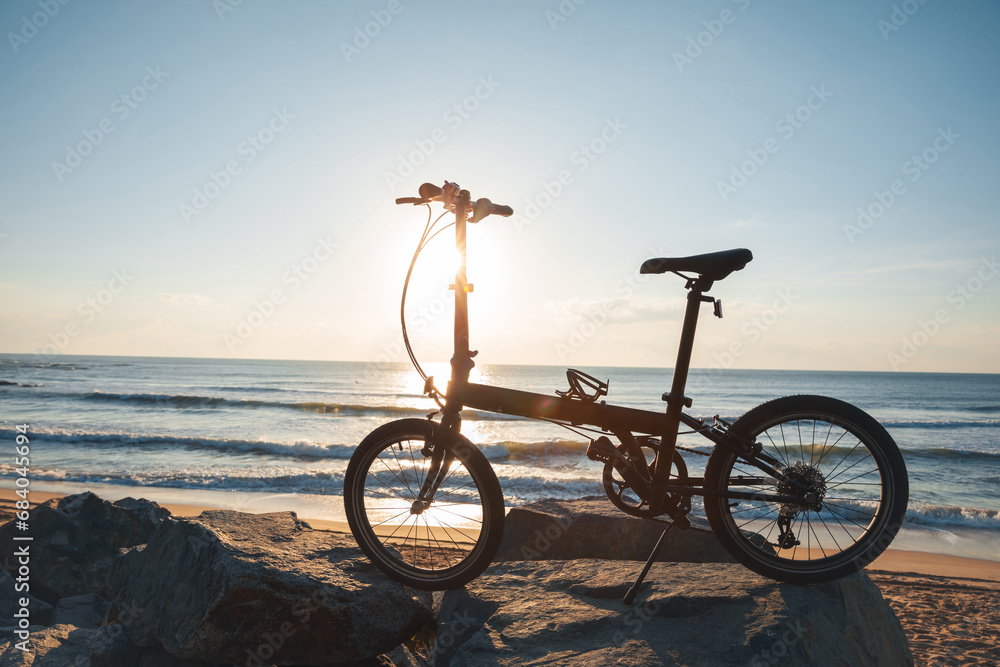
pixel 259 435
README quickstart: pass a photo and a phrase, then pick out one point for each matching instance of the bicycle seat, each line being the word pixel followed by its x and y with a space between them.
pixel 712 266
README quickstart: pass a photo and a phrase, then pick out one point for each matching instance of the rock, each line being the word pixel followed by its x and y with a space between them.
pixel 56 646
pixel 76 537
pixel 571 613
pixel 83 611
pixel 592 527
pixel 40 612
pixel 257 589
pixel 9 632
pixel 69 646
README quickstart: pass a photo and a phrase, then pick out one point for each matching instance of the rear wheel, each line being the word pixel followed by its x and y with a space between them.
pixel 847 475
pixel 438 545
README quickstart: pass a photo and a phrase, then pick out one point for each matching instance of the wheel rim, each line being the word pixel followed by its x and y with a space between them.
pixel 846 474
pixel 426 540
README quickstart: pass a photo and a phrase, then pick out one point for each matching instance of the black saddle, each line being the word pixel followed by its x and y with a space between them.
pixel 711 266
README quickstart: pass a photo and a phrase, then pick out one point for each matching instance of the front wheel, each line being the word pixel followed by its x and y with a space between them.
pixel 438 544
pixel 847 475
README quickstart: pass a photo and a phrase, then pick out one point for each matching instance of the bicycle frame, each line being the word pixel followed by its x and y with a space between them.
pixel 422 485
pixel 623 422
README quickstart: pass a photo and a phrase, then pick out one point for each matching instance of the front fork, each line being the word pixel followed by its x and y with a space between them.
pixel 441 458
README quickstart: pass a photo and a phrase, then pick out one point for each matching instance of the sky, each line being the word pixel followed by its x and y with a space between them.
pixel 216 179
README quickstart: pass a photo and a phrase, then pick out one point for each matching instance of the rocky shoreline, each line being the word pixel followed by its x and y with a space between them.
pixel 127 583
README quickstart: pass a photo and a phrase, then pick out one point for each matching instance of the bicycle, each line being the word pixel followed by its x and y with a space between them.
pixel 802 489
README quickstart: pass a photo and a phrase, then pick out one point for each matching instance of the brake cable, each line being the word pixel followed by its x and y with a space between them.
pixel 424 240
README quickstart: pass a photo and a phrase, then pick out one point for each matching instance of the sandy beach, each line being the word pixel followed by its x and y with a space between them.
pixel 948 606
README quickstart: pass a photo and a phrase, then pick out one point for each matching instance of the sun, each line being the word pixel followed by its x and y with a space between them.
pixel 430 299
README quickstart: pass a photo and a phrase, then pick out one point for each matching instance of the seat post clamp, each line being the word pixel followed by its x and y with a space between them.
pixel 671 399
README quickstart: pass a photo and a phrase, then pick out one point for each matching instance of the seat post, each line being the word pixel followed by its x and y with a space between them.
pixel 675 400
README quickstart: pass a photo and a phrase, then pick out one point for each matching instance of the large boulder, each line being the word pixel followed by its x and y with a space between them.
pixel 592 527
pixel 75 538
pixel 229 587
pixel 571 613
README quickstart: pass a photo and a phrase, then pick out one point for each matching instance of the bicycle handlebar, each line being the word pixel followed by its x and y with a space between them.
pixel 482 207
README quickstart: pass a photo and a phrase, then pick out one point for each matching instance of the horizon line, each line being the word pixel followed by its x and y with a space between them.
pixel 404 362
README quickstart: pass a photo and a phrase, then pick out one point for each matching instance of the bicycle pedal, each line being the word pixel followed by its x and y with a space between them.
pixel 602 450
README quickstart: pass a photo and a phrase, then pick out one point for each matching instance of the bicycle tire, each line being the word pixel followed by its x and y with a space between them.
pixel 442 546
pixel 858 472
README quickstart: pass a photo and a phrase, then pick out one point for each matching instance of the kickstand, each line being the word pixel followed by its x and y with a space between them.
pixel 632 592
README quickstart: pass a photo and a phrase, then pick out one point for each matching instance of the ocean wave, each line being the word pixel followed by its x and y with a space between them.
pixel 254 389
pixel 951 454
pixel 321 483
pixel 195 402
pixel 982 408
pixel 940 516
pixel 159 442
pixel 508 450
pixel 16 363
pixel 9 383
pixel 949 423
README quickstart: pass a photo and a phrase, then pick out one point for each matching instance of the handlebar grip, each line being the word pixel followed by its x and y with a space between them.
pixel 430 191
pixel 500 209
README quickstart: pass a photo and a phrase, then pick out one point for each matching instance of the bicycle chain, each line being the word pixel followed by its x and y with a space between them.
pixel 692 451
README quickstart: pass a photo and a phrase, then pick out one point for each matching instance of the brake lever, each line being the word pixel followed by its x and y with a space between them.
pixel 416 201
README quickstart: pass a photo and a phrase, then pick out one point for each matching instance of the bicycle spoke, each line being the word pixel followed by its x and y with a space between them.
pixel 393 473
pixel 845 518
pixel 394 492
pixel 774 446
pixel 798 429
pixel 827 448
pixel 827 503
pixel 376 525
pixel 849 467
pixel 399 465
pixel 458 515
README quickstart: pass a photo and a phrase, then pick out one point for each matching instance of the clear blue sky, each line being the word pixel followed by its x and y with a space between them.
pixel 709 125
